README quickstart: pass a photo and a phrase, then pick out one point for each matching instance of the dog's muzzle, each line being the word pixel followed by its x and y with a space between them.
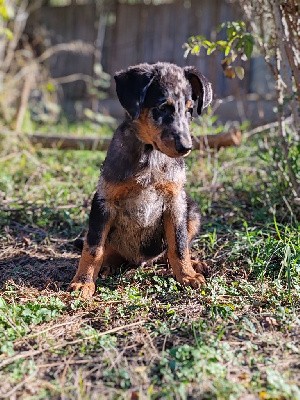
pixel 183 145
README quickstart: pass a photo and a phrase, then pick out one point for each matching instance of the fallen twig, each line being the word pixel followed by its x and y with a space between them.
pixel 17 387
pixel 31 353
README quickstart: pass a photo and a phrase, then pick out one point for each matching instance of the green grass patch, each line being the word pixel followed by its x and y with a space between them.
pixel 143 336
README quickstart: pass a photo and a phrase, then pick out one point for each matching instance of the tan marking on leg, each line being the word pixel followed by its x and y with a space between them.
pixel 89 266
pixel 182 268
pixel 87 272
pixel 199 266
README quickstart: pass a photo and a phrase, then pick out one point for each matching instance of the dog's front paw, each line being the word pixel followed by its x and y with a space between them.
pixel 195 281
pixel 86 289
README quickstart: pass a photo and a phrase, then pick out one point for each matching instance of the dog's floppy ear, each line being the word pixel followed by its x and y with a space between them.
pixel 201 88
pixel 131 86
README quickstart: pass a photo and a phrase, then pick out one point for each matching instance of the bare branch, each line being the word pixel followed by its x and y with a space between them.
pixel 74 47
pixel 72 78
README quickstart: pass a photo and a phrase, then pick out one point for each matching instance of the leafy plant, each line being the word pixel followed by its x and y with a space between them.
pixel 15 320
pixel 22 70
pixel 238 45
pixel 276 27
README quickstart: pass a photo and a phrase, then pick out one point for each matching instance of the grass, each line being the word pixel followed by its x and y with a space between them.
pixel 143 336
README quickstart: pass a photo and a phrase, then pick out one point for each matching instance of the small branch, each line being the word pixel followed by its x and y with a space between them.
pixel 74 47
pixel 267 127
pixel 29 80
pixel 9 395
pixel 20 20
pixel 72 78
pixel 31 353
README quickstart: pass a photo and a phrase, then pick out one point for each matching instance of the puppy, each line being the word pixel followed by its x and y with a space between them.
pixel 140 211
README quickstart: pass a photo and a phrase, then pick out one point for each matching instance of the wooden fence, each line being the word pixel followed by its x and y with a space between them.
pixel 157 33
pixel 133 33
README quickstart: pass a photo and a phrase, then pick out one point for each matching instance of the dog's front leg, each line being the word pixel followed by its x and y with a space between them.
pixel 176 233
pixel 93 249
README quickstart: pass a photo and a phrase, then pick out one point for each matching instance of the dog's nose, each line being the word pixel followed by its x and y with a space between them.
pixel 183 146
pixel 183 149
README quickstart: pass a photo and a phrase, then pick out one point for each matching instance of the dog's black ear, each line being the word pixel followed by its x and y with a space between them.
pixel 201 88
pixel 131 86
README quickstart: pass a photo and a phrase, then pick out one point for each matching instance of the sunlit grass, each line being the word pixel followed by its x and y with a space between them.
pixel 143 335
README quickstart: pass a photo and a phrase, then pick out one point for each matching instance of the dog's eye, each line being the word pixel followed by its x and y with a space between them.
pixel 166 108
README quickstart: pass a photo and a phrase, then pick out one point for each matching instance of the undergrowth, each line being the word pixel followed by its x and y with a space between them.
pixel 143 336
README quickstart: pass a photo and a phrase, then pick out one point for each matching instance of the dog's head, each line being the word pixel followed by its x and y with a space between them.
pixel 160 99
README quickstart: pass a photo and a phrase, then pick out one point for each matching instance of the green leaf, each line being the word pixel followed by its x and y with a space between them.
pixel 7 32
pixel 210 50
pixel 221 43
pixel 3 12
pixel 50 87
pixel 248 45
pixel 230 33
pixel 6 10
pixel 207 43
pixel 196 49
pixel 240 72
pixel 227 60
pixel 227 50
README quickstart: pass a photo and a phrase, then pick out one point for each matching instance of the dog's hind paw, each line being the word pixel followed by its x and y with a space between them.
pixel 85 289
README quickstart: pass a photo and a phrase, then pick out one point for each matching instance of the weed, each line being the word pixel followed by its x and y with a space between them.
pixel 17 319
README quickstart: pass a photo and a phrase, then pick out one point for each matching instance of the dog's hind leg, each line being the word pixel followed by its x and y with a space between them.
pixel 93 251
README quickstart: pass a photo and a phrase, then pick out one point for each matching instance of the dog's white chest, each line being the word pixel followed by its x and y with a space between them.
pixel 143 209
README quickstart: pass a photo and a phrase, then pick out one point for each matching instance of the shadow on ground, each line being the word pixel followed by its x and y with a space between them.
pixel 54 273
pixel 34 257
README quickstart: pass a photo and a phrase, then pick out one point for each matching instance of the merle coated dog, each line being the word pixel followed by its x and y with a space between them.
pixel 140 211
